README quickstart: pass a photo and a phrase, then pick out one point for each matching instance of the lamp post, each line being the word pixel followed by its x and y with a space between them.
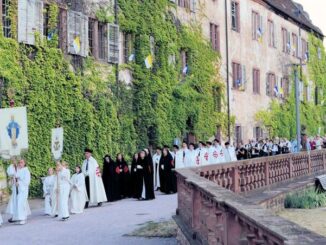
pixel 297 107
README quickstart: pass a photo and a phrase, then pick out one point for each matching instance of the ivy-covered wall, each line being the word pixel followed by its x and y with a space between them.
pixel 280 120
pixel 97 112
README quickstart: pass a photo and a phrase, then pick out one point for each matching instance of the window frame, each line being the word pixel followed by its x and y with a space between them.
pixel 236 16
pixel 236 69
pixel 215 36
pixel 256 80
pixel 271 33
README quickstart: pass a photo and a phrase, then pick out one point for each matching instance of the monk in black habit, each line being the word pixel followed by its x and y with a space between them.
pixel 167 176
pixel 110 178
pixel 149 176
pixel 124 176
pixel 133 176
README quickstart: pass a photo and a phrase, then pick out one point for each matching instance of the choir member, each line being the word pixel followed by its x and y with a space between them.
pixel 190 156
pixel 48 184
pixel 124 176
pixel 133 176
pixel 156 162
pixel 167 176
pixel 21 208
pixel 201 151
pixel 78 194
pixel 62 185
pixel 11 172
pixel 229 153
pixel 110 178
pixel 93 180
pixel 149 176
pixel 178 157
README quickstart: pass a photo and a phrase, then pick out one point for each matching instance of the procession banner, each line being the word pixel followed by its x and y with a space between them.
pixel 57 143
pixel 13 131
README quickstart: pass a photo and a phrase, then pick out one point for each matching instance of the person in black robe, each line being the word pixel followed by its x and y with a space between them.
pixel 133 176
pixel 167 175
pixel 124 176
pixel 140 193
pixel 110 179
pixel 149 176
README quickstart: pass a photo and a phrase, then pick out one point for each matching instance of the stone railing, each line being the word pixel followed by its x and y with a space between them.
pixel 248 175
pixel 210 214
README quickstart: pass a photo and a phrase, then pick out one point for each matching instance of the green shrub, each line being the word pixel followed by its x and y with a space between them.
pixel 306 199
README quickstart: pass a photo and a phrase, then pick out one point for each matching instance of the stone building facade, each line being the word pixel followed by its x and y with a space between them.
pixel 264 39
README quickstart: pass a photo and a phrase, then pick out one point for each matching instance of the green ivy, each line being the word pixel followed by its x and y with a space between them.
pixel 280 120
pixel 111 117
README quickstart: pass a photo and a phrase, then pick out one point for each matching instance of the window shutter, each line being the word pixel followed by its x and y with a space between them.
pixel 30 20
pixel 261 24
pixel 268 85
pixel 77 33
pixel 243 76
pixel 193 6
pixel 113 41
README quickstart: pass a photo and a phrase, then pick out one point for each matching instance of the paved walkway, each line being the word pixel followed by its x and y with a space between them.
pixel 104 225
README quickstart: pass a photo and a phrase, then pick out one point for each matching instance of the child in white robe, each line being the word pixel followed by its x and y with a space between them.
pixel 48 184
pixel 78 194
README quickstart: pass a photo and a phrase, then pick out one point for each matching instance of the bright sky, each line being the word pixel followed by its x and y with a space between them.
pixel 316 10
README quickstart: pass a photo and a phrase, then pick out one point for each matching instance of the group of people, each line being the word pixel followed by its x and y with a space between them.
pixel 268 147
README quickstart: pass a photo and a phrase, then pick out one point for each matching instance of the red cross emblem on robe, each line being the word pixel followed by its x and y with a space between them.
pixel 197 160
pixel 221 153
pixel 215 154
pixel 98 172
pixel 206 156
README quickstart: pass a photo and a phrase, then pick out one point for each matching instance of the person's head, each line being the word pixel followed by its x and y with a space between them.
pixel 50 171
pixel 165 152
pixel 184 145
pixel 65 164
pixel 209 144
pixel 88 153
pixel 146 151
pixel 22 163
pixel 227 144
pixel 200 144
pixel 142 154
pixel 136 156
pixel 175 148
pixel 216 142
pixel 78 170
pixel 158 150
pixel 58 166
pixel 119 157
pixel 191 146
pixel 107 159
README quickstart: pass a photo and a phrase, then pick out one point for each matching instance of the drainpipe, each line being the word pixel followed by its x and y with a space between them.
pixel 227 69
pixel 116 21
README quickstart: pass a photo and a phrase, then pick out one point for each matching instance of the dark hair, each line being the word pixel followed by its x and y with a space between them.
pixel 107 156
pixel 80 170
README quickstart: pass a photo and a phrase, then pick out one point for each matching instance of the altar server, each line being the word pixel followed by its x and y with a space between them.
pixel 62 186
pixel 48 185
pixel 78 194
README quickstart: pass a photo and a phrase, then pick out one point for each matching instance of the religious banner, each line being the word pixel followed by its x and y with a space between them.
pixel 57 143
pixel 13 131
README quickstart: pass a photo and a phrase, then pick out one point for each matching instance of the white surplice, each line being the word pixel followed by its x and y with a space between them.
pixel 190 158
pixel 48 185
pixel 96 187
pixel 21 210
pixel 156 163
pixel 78 194
pixel 64 190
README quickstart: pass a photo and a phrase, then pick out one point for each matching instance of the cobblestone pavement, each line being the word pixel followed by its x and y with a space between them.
pixel 101 225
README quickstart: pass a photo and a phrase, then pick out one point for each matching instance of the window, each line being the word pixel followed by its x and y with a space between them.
pixel 217 99
pixel 91 36
pixel 184 3
pixel 271 34
pixel 46 20
pixel 184 62
pixel 235 16
pixel 270 84
pixel 285 87
pixel 304 48
pixel 102 41
pixel 63 29
pixel 215 36
pixel 257 31
pixel 286 42
pixel 295 45
pixel 237 75
pixel 114 51
pixel 238 134
pixel 258 133
pixel 128 47
pixel 6 23
pixel 256 81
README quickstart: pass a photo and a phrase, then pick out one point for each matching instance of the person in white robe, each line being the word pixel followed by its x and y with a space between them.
pixel 21 208
pixel 156 163
pixel 178 157
pixel 55 192
pixel 216 153
pixel 63 190
pixel 78 194
pixel 190 157
pixel 201 151
pixel 48 184
pixel 11 172
pixel 93 180
pixel 229 153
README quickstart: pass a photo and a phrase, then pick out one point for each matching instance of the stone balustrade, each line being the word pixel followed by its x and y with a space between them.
pixel 248 175
pixel 210 214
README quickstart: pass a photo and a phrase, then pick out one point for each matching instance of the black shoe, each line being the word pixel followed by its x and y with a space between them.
pixel 99 204
pixel 11 220
pixel 55 216
pixel 65 218
pixel 86 205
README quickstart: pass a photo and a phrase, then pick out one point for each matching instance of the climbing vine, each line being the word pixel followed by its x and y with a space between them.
pixel 162 103
pixel 279 119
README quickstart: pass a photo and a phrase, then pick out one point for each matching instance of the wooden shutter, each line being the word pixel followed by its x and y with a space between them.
pixel 77 29
pixel 30 20
pixel 63 31
pixel 113 43
pixel 268 85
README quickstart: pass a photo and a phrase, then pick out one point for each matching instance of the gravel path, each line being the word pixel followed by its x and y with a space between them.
pixel 104 225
